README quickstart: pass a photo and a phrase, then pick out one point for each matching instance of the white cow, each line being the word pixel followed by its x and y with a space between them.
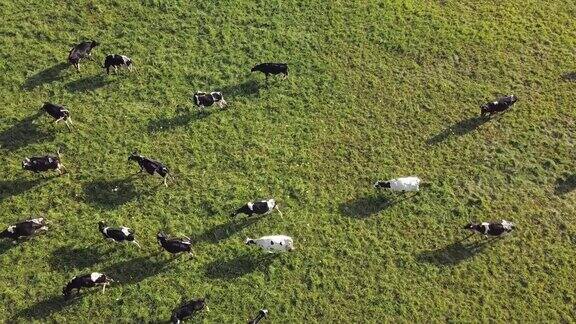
pixel 400 184
pixel 273 243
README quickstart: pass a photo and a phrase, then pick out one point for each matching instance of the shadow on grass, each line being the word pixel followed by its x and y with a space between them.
pixel 110 194
pixel 69 258
pixel 5 246
pixel 371 205
pixel 45 308
pixel 249 88
pixel 182 119
pixel 459 129
pixel 240 266
pixel 569 76
pixel 23 133
pixel 48 75
pixel 223 231
pixel 9 188
pixel 565 185
pixel 135 270
pixel 455 253
pixel 88 83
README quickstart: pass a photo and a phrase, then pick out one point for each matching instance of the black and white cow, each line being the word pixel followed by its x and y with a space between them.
pixel 493 229
pixel 204 99
pixel 500 105
pixel 81 51
pixel 86 281
pixel 262 207
pixel 115 60
pixel 263 313
pixel 43 163
pixel 174 245
pixel 150 166
pixel 59 113
pixel 24 229
pixel 188 309
pixel 119 235
pixel 271 68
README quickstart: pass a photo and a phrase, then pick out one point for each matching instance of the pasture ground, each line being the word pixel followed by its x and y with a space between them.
pixel 377 89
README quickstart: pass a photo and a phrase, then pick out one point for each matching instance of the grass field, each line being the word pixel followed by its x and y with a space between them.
pixel 377 90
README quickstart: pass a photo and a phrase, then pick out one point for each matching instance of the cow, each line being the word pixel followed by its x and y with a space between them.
pixel 400 184
pixel 493 229
pixel 262 207
pixel 59 113
pixel 86 281
pixel 263 313
pixel 188 309
pixel 38 164
pixel 150 166
pixel 24 229
pixel 500 105
pixel 273 243
pixel 203 99
pixel 271 68
pixel 81 51
pixel 115 60
pixel 174 245
pixel 119 235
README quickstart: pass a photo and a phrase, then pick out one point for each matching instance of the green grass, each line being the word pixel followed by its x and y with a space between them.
pixel 377 89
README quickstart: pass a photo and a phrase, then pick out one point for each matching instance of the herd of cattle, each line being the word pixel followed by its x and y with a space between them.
pixel 176 246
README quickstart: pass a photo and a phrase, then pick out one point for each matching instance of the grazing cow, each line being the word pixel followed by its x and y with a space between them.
pixel 271 68
pixel 494 107
pixel 273 243
pixel 494 229
pixel 204 99
pixel 86 281
pixel 119 235
pixel 43 163
pixel 188 309
pixel 262 207
pixel 150 166
pixel 400 184
pixel 174 245
pixel 24 229
pixel 115 60
pixel 81 51
pixel 263 313
pixel 59 113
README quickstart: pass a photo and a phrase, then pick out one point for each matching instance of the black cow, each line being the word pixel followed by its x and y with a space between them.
pixel 500 105
pixel 43 163
pixel 262 207
pixel 174 245
pixel 188 309
pixel 150 166
pixel 59 113
pixel 119 235
pixel 271 68
pixel 263 313
pixel 491 228
pixel 204 99
pixel 24 229
pixel 81 51
pixel 115 60
pixel 86 281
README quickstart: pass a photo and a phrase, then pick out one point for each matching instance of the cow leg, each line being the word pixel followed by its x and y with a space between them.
pixel 165 183
pixel 108 70
pixel 58 120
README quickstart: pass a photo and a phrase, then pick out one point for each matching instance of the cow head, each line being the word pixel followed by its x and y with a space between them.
pixel 94 44
pixel 135 156
pixel 26 164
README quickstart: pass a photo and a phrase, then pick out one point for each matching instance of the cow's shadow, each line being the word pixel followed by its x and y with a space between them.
pixel 5 246
pixel 88 83
pixel 110 194
pixel 224 231
pixel 183 118
pixel 239 266
pixel 565 185
pixel 47 307
pixel 456 252
pixel 371 205
pixel 569 76
pixel 461 128
pixel 70 258
pixel 135 270
pixel 9 188
pixel 246 89
pixel 23 133
pixel 48 75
